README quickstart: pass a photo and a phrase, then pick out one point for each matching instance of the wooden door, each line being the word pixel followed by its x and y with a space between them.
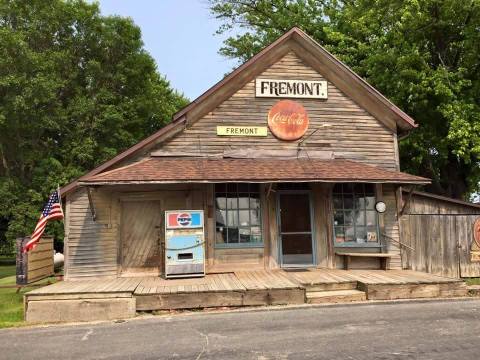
pixel 140 237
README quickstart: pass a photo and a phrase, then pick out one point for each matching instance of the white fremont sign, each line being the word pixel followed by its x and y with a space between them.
pixel 305 89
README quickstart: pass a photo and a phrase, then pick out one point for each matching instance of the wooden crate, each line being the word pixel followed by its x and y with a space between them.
pixel 37 264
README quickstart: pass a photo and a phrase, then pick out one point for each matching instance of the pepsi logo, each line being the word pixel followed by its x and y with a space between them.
pixel 184 219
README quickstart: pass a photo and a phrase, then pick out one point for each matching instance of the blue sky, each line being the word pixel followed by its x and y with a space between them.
pixel 179 34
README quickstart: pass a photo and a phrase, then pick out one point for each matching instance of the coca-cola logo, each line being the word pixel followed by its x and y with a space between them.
pixel 288 120
pixel 476 231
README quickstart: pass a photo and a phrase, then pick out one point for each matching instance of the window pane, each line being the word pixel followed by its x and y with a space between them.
pixel 232 218
pixel 348 188
pixel 243 188
pixel 339 234
pixel 358 189
pixel 371 217
pixel 372 235
pixel 243 201
pixel 244 235
pixel 338 218
pixel 359 217
pixel 254 188
pixel 349 232
pixel 361 234
pixel 244 217
pixel 337 202
pixel 337 189
pixel 348 217
pixel 221 216
pixel 369 189
pixel 232 202
pixel 232 188
pixel 256 230
pixel 221 236
pixel 359 203
pixel 370 202
pixel 254 201
pixel 221 201
pixel 232 235
pixel 348 201
pixel 255 217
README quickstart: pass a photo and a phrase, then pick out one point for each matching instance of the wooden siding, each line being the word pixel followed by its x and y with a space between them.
pixel 391 226
pixel 344 127
pixel 441 234
pixel 91 245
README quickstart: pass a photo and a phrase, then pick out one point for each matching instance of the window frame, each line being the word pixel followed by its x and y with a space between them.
pixel 239 244
pixel 354 243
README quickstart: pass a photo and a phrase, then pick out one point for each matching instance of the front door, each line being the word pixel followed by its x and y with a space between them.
pixel 140 230
pixel 295 223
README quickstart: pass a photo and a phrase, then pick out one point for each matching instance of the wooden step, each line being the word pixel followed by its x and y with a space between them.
pixel 335 296
pixel 331 286
pixel 413 290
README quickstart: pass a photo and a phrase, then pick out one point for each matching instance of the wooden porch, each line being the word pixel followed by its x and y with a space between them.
pixel 123 297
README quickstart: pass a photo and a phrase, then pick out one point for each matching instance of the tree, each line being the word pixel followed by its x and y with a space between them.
pixel 422 54
pixel 75 89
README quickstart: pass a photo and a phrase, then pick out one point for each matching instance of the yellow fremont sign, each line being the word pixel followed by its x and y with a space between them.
pixel 242 130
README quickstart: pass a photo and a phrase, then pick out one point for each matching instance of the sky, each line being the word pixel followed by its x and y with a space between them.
pixel 179 34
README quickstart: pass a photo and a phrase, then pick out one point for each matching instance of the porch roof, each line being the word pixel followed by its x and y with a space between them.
pixel 200 170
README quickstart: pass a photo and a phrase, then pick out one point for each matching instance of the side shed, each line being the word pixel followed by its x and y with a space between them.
pixel 437 234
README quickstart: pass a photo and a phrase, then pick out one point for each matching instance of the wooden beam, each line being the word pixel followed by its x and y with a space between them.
pixel 90 203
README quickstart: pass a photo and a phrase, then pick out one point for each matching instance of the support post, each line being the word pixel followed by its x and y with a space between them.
pixel 90 203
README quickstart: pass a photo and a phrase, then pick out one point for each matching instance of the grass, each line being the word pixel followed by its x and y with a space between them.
pixel 473 281
pixel 11 302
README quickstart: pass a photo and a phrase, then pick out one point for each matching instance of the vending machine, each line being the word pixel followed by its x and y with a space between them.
pixel 184 243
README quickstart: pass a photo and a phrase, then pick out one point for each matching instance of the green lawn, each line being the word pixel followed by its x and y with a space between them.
pixel 11 303
pixel 473 281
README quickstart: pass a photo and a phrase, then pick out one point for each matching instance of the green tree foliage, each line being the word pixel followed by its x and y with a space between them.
pixel 424 55
pixel 75 89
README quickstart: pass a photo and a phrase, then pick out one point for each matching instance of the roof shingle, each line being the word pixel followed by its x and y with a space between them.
pixel 169 170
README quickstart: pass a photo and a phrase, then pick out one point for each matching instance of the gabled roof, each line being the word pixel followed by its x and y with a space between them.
pixel 155 170
pixel 309 51
pixel 443 198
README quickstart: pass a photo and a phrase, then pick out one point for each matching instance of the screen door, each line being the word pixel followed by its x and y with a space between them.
pixel 296 244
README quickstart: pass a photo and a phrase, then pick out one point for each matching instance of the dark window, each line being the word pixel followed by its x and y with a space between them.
pixel 238 214
pixel 355 220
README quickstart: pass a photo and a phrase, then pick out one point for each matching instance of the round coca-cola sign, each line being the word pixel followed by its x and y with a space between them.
pixel 288 120
pixel 476 231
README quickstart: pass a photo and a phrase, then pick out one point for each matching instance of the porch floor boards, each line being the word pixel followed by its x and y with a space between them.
pixel 241 281
pixel 126 295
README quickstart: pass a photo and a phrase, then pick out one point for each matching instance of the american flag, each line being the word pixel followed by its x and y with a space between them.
pixel 51 211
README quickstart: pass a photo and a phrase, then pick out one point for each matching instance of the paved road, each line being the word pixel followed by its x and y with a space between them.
pixel 430 330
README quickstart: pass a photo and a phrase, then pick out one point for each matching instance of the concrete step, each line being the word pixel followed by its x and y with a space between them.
pixel 332 286
pixel 335 296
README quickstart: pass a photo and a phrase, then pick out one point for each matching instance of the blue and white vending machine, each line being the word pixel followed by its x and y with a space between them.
pixel 184 243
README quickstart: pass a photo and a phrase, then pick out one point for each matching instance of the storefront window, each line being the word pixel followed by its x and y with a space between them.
pixel 238 215
pixel 355 219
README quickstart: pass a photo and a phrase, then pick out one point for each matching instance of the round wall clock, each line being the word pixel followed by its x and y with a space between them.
pixel 288 120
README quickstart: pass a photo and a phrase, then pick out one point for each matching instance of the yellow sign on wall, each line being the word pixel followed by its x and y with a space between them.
pixel 242 130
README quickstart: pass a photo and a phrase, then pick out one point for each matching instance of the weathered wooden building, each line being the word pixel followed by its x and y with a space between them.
pixel 293 159
pixel 438 235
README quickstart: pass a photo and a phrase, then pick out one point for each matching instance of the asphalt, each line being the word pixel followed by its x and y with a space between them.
pixel 413 330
